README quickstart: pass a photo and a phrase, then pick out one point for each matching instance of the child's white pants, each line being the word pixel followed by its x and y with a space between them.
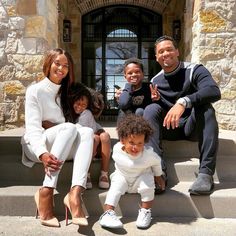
pixel 144 185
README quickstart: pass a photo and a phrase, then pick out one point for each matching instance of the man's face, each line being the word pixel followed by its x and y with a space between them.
pixel 167 55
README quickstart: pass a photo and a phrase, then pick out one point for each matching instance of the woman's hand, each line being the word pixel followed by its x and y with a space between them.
pixel 50 162
pixel 155 95
pixel 47 124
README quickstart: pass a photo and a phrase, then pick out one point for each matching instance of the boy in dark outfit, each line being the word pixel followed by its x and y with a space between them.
pixel 184 93
pixel 136 94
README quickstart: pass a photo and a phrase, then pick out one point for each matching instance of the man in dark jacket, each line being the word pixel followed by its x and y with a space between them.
pixel 183 93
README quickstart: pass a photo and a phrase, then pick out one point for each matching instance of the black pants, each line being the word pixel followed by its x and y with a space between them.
pixel 200 125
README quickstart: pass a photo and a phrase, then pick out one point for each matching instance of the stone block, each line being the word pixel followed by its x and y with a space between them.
pixel 35 26
pixel 14 88
pixel 211 22
pixel 16 23
pixel 7 72
pixel 11 11
pixel 26 7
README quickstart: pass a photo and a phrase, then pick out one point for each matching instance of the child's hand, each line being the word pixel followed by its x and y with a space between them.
pixel 155 95
pixel 117 94
pixel 160 181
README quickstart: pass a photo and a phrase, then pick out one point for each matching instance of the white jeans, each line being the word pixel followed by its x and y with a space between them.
pixel 144 185
pixel 67 141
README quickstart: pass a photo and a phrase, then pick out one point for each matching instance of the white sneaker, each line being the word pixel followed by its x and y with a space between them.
pixel 110 220
pixel 144 218
pixel 103 184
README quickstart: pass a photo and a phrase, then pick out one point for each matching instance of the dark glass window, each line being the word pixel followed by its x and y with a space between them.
pixel 110 36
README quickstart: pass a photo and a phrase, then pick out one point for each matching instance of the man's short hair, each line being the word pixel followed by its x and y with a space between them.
pixel 164 38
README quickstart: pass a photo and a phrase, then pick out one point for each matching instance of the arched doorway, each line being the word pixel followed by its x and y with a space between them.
pixel 110 36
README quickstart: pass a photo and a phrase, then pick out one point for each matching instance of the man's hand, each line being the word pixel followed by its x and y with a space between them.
pixel 160 181
pixel 50 162
pixel 155 95
pixel 173 116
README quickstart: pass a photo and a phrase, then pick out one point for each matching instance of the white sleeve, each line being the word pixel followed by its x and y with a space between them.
pixel 156 161
pixel 86 119
pixel 33 122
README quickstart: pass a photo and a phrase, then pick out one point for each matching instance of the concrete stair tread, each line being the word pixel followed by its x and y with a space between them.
pixel 169 226
pixel 225 189
pixel 18 183
pixel 175 202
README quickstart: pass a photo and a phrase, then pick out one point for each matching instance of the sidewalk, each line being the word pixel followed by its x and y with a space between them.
pixel 29 226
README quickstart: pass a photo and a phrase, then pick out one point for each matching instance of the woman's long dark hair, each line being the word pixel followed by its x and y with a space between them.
pixel 67 81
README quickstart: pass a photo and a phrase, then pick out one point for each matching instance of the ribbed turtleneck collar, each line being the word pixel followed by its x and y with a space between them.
pixel 51 86
pixel 175 70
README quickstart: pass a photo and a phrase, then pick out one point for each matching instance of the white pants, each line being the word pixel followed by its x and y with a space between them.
pixel 66 142
pixel 144 185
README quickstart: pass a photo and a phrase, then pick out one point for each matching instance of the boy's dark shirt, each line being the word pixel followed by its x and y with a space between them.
pixel 131 100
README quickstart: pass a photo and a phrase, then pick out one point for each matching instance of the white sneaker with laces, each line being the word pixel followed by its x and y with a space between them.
pixel 110 220
pixel 144 218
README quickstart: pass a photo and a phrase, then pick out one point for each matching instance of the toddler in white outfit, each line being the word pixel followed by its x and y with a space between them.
pixel 135 168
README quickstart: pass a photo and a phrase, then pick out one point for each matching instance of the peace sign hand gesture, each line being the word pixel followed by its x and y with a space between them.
pixel 155 95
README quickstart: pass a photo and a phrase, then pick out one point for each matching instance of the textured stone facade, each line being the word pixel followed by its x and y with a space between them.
pixel 214 45
pixel 29 28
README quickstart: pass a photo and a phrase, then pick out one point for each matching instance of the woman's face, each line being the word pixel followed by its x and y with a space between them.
pixel 59 69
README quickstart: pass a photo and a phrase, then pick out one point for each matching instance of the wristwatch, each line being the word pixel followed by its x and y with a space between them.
pixel 182 102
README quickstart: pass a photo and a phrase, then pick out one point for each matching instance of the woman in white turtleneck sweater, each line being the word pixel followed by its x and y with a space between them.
pixel 50 140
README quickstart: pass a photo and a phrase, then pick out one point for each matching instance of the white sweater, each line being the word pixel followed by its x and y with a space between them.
pixel 40 105
pixel 132 166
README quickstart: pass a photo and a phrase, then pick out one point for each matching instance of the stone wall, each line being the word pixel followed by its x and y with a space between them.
pixel 214 45
pixel 27 30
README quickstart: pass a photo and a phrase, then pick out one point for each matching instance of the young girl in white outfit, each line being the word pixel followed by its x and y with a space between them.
pixel 135 168
pixel 51 141
pixel 83 113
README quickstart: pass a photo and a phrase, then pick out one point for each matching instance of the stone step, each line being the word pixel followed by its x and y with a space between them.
pixel 10 144
pixel 175 202
pixel 163 226
pixel 178 169
pixel 19 183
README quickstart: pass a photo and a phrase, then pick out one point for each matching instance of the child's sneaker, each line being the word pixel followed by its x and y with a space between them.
pixel 103 180
pixel 110 220
pixel 144 218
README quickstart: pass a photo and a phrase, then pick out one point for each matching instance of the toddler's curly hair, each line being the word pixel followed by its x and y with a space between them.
pixel 132 124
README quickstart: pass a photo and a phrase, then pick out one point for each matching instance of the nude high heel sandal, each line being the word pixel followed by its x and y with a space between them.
pixel 75 220
pixel 52 222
